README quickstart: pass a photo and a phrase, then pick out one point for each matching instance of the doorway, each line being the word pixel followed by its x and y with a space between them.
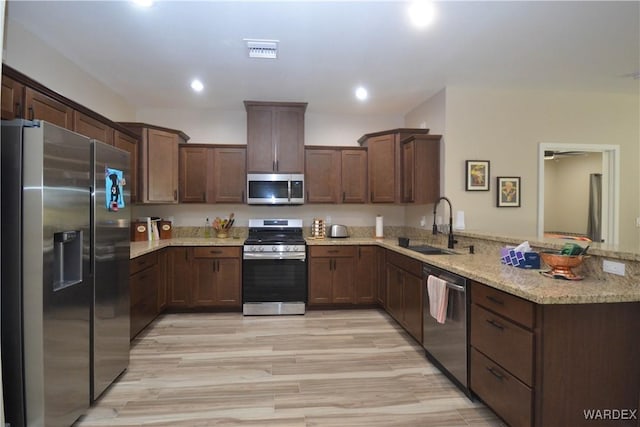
pixel 610 170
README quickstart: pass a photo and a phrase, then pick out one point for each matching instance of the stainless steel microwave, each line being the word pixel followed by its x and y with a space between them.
pixel 275 189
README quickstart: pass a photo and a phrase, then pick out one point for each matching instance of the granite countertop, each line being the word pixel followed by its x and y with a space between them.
pixel 482 267
pixel 142 248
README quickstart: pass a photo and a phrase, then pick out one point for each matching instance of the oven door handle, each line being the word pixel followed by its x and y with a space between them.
pixel 285 255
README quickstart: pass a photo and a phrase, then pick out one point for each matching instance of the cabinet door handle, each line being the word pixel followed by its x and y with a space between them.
pixel 143 277
pixel 18 111
pixel 277 166
pixel 175 194
pixel 186 255
pixel 217 265
pixel 31 113
pixel 273 166
pixel 215 251
pixel 371 197
pixel 495 374
pixel 495 300
pixel 333 251
pixel 307 195
pixel 344 196
pixel 204 196
pixel 495 324
pixel 242 197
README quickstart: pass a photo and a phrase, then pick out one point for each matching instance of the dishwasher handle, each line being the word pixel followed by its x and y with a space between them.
pixel 455 287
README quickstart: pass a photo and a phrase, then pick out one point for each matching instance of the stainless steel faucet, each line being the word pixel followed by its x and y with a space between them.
pixel 451 241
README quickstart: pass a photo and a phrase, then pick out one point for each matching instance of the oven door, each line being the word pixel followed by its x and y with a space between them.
pixel 274 280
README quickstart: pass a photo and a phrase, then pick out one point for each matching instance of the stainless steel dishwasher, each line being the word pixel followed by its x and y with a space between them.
pixel 446 344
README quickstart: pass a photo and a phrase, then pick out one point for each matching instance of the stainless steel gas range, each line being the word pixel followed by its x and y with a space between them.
pixel 274 268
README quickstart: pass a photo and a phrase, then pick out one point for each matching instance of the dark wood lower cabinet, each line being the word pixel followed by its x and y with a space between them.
pixel 143 289
pixel 404 292
pixel 201 277
pixel 216 277
pixel 510 398
pixel 343 275
pixel 331 272
pixel 550 365
pixel 178 277
pixel 366 275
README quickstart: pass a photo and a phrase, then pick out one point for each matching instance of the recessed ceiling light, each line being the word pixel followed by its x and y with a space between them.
pixel 197 85
pixel 421 13
pixel 361 93
pixel 143 3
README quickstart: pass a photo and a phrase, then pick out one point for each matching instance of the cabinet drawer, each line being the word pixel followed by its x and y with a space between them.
pixel 505 342
pixel 406 263
pixel 216 252
pixel 506 395
pixel 144 261
pixel 332 251
pixel 515 308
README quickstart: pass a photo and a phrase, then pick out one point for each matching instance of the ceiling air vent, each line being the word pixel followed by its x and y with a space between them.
pixel 263 49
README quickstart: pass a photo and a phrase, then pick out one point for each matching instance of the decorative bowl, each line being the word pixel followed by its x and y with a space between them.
pixel 561 265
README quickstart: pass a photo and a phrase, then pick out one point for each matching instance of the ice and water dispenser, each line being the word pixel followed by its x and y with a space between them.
pixel 67 259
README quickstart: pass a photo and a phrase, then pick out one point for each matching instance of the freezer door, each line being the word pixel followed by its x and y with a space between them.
pixel 56 292
pixel 11 289
pixel 111 214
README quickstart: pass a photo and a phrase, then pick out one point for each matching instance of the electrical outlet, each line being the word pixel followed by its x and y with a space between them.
pixel 638 221
pixel 423 221
pixel 613 267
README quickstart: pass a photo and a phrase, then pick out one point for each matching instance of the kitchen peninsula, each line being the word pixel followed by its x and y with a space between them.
pixel 579 339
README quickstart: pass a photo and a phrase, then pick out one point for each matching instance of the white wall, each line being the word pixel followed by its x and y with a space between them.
pixel 506 126
pixel 33 57
pixel 566 192
pixel 230 126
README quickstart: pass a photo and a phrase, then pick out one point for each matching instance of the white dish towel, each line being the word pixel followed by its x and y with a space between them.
pixel 438 298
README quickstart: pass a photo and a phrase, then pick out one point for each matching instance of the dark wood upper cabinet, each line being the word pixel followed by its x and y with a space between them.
pixel 159 162
pixel 335 174
pixel 193 174
pixel 39 106
pixel 384 163
pixel 229 174
pixel 354 175
pixel 275 137
pixel 12 99
pixel 322 175
pixel 421 169
pixel 212 173
pixel 382 169
pixel 92 128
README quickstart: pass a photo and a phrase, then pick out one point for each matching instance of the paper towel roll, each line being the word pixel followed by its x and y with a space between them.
pixel 459 223
pixel 379 226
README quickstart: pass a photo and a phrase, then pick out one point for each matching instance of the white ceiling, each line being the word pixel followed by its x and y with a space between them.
pixel 327 48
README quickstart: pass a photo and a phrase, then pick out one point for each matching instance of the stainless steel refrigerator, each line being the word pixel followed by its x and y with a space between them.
pixel 58 314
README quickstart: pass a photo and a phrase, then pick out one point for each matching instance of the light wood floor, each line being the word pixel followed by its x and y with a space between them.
pixel 326 368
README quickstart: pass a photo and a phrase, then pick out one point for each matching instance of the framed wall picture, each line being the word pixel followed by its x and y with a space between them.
pixel 477 175
pixel 509 191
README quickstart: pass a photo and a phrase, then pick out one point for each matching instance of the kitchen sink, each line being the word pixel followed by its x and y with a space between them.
pixel 432 250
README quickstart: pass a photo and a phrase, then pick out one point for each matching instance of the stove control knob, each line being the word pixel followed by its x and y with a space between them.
pixel 261 248
pixel 287 249
pixel 274 248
